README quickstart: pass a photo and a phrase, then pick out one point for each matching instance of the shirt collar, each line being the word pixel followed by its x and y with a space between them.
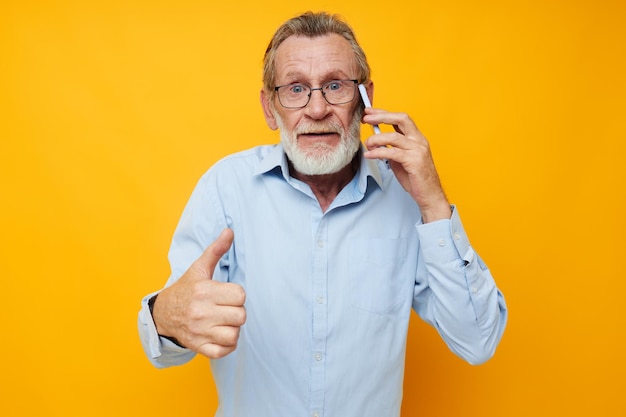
pixel 276 158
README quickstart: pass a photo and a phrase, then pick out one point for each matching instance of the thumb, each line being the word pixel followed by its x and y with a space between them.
pixel 206 263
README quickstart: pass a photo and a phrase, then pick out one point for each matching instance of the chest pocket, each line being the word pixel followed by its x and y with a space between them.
pixel 378 274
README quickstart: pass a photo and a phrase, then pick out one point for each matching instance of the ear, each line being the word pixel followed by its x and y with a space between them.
pixel 267 111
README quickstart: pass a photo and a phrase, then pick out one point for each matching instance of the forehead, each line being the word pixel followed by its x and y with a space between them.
pixel 301 58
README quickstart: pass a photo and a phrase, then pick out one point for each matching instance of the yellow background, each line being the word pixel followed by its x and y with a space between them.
pixel 110 112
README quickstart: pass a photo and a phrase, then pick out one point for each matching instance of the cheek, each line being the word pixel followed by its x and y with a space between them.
pixel 290 121
pixel 349 118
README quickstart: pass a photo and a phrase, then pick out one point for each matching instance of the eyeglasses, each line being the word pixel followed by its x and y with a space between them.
pixel 297 96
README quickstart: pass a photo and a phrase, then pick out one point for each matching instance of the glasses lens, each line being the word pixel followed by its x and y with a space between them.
pixel 294 95
pixel 339 91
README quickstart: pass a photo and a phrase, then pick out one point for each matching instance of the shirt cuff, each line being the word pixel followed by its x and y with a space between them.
pixel 155 346
pixel 445 240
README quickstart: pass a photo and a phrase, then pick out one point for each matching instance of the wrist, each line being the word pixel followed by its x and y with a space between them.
pixel 151 303
pixel 441 212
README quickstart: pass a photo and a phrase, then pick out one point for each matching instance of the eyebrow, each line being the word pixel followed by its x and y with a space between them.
pixel 296 77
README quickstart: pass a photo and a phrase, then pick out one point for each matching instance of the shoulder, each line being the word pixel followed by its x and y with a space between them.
pixel 248 158
pixel 239 164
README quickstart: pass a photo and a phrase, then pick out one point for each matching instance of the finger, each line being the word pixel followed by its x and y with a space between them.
pixel 226 294
pixel 392 157
pixel 214 351
pixel 226 315
pixel 223 341
pixel 401 122
pixel 208 260
pixel 383 140
pixel 226 336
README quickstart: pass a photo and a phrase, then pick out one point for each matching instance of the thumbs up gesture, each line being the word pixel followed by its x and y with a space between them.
pixel 201 314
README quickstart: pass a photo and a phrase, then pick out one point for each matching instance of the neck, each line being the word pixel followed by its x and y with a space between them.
pixel 326 187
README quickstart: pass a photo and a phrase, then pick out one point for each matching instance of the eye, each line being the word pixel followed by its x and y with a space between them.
pixel 334 85
pixel 297 89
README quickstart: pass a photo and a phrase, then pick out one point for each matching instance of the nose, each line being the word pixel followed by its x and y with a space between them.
pixel 318 108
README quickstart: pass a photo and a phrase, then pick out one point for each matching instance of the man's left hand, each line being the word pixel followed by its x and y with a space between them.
pixel 410 158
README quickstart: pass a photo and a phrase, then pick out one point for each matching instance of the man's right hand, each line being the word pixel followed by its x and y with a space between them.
pixel 201 314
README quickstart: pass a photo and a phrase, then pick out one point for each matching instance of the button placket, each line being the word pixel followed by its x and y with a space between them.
pixel 320 316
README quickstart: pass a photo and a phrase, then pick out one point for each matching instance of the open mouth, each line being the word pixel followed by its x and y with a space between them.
pixel 318 134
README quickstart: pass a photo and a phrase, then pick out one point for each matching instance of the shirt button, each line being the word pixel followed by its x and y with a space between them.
pixel 474 290
pixel 315 414
pixel 320 243
pixel 442 242
pixel 317 357
pixel 457 236
pixel 320 300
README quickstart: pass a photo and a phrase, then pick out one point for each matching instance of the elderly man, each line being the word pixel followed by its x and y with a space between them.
pixel 295 266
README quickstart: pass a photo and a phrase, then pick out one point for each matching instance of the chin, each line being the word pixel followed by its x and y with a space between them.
pixel 316 163
pixel 322 159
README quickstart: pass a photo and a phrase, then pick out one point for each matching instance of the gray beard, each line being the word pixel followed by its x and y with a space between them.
pixel 321 159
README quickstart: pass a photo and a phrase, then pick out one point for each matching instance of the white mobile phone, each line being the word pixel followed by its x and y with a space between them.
pixel 366 101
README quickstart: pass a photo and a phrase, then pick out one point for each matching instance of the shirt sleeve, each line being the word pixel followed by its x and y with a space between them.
pixel 160 351
pixel 202 220
pixel 456 293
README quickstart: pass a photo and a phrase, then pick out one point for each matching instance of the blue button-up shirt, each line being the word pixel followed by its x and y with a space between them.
pixel 328 294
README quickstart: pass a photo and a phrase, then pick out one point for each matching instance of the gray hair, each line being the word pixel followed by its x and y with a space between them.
pixel 312 25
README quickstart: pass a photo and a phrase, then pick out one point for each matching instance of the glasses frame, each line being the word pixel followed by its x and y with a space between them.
pixel 311 89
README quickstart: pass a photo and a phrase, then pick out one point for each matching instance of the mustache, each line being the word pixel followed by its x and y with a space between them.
pixel 316 127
